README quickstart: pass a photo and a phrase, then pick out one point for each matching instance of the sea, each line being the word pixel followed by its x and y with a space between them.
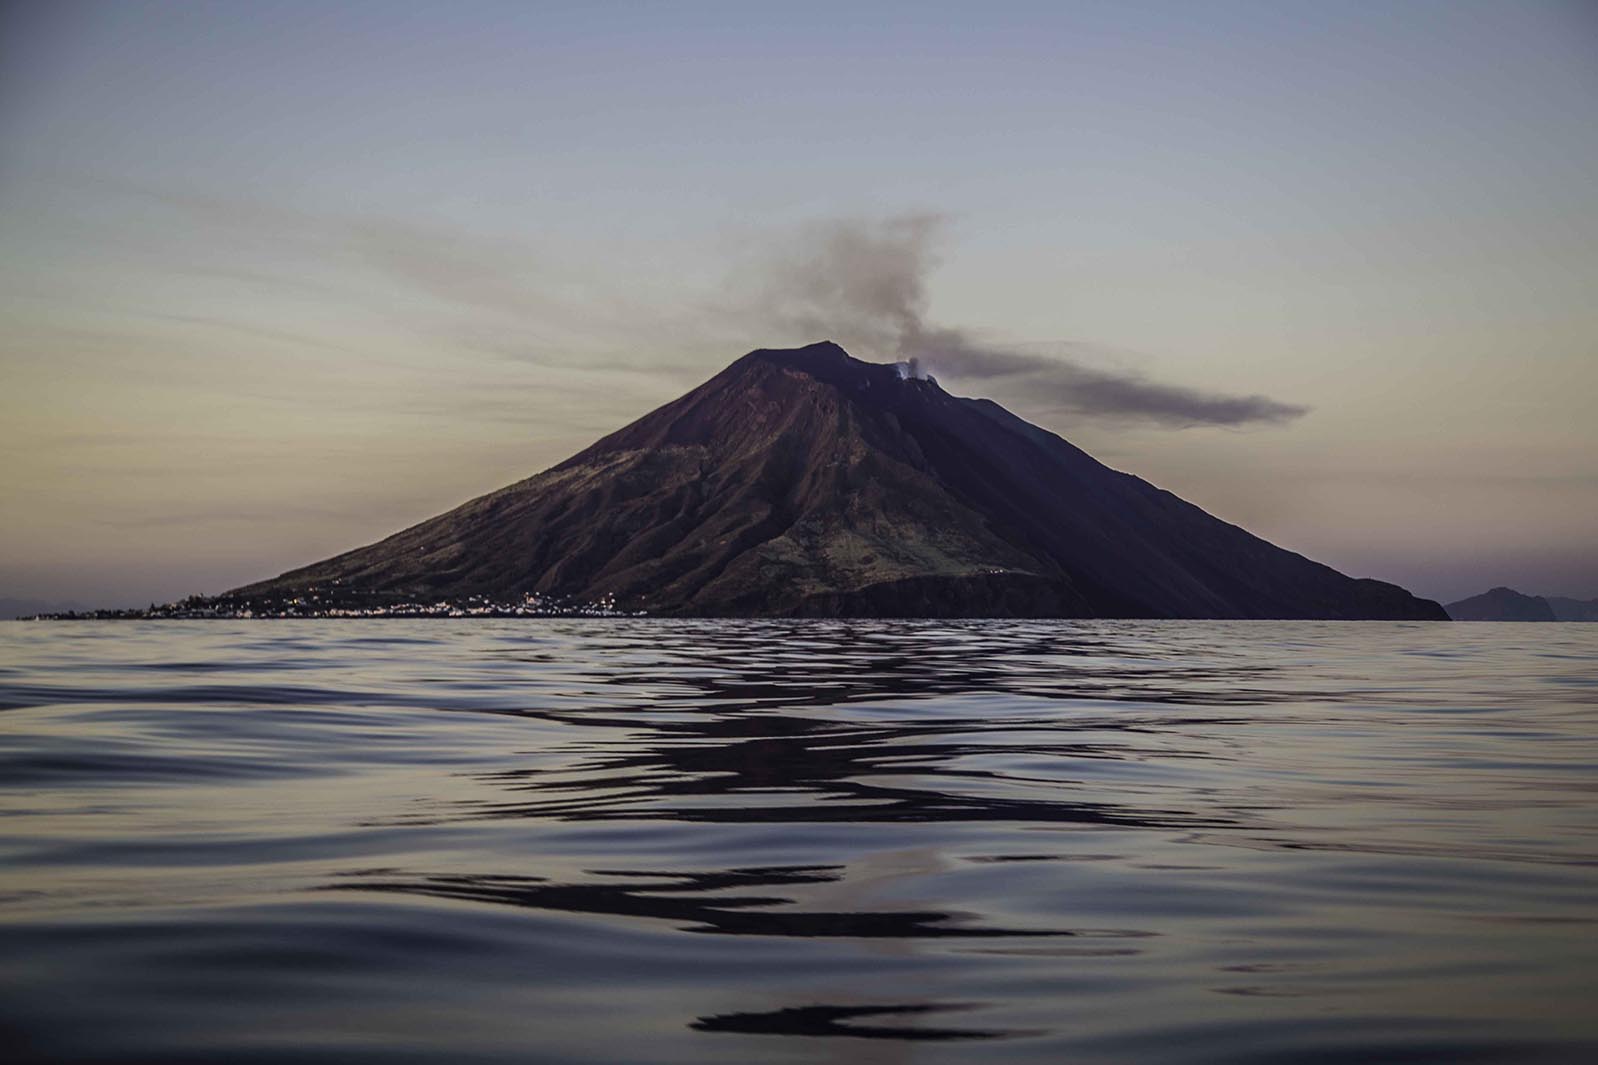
pixel 638 841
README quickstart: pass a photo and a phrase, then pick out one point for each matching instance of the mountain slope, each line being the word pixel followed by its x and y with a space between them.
pixel 1506 604
pixel 805 482
pixel 1501 604
pixel 1568 609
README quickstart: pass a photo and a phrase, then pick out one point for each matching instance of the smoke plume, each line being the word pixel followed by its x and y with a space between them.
pixel 863 284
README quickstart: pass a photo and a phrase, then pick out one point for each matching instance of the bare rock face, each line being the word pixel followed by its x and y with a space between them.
pixel 804 482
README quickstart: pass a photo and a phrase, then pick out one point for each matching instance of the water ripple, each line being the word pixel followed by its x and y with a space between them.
pixel 579 841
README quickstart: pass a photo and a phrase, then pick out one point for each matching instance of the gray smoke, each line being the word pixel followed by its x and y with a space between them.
pixel 863 284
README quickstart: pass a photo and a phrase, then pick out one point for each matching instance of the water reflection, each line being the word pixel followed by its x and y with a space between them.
pixel 904 723
pixel 808 842
pixel 691 901
pixel 841 1021
pixel 781 769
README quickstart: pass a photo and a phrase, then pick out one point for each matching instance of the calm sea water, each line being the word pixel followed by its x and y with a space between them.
pixel 646 841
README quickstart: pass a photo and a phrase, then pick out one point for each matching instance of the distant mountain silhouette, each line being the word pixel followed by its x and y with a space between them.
pixel 1506 604
pixel 22 608
pixel 807 483
pixel 1567 609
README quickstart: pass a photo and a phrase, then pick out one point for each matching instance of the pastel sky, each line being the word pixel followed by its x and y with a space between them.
pixel 277 279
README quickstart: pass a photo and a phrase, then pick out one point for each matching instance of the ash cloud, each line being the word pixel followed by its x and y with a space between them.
pixel 863 283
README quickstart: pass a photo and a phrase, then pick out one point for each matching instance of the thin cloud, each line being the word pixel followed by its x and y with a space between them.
pixel 860 282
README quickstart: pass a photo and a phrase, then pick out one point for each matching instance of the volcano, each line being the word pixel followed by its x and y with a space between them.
pixel 804 482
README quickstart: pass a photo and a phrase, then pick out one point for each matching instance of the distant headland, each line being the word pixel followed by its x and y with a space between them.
pixel 1506 604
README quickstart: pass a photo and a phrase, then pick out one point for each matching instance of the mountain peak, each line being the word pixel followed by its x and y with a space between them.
pixel 821 349
pixel 1502 604
pixel 828 362
pixel 825 359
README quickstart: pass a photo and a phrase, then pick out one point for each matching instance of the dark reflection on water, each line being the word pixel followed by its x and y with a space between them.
pixel 687 899
pixel 799 842
pixel 837 1020
pixel 698 772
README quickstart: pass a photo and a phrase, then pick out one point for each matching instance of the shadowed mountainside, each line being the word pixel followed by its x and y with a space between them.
pixel 1506 604
pixel 804 482
pixel 1568 609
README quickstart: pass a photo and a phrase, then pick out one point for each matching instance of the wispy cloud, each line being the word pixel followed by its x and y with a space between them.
pixel 858 281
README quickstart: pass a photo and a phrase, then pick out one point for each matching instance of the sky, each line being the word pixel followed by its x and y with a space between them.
pixel 278 279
